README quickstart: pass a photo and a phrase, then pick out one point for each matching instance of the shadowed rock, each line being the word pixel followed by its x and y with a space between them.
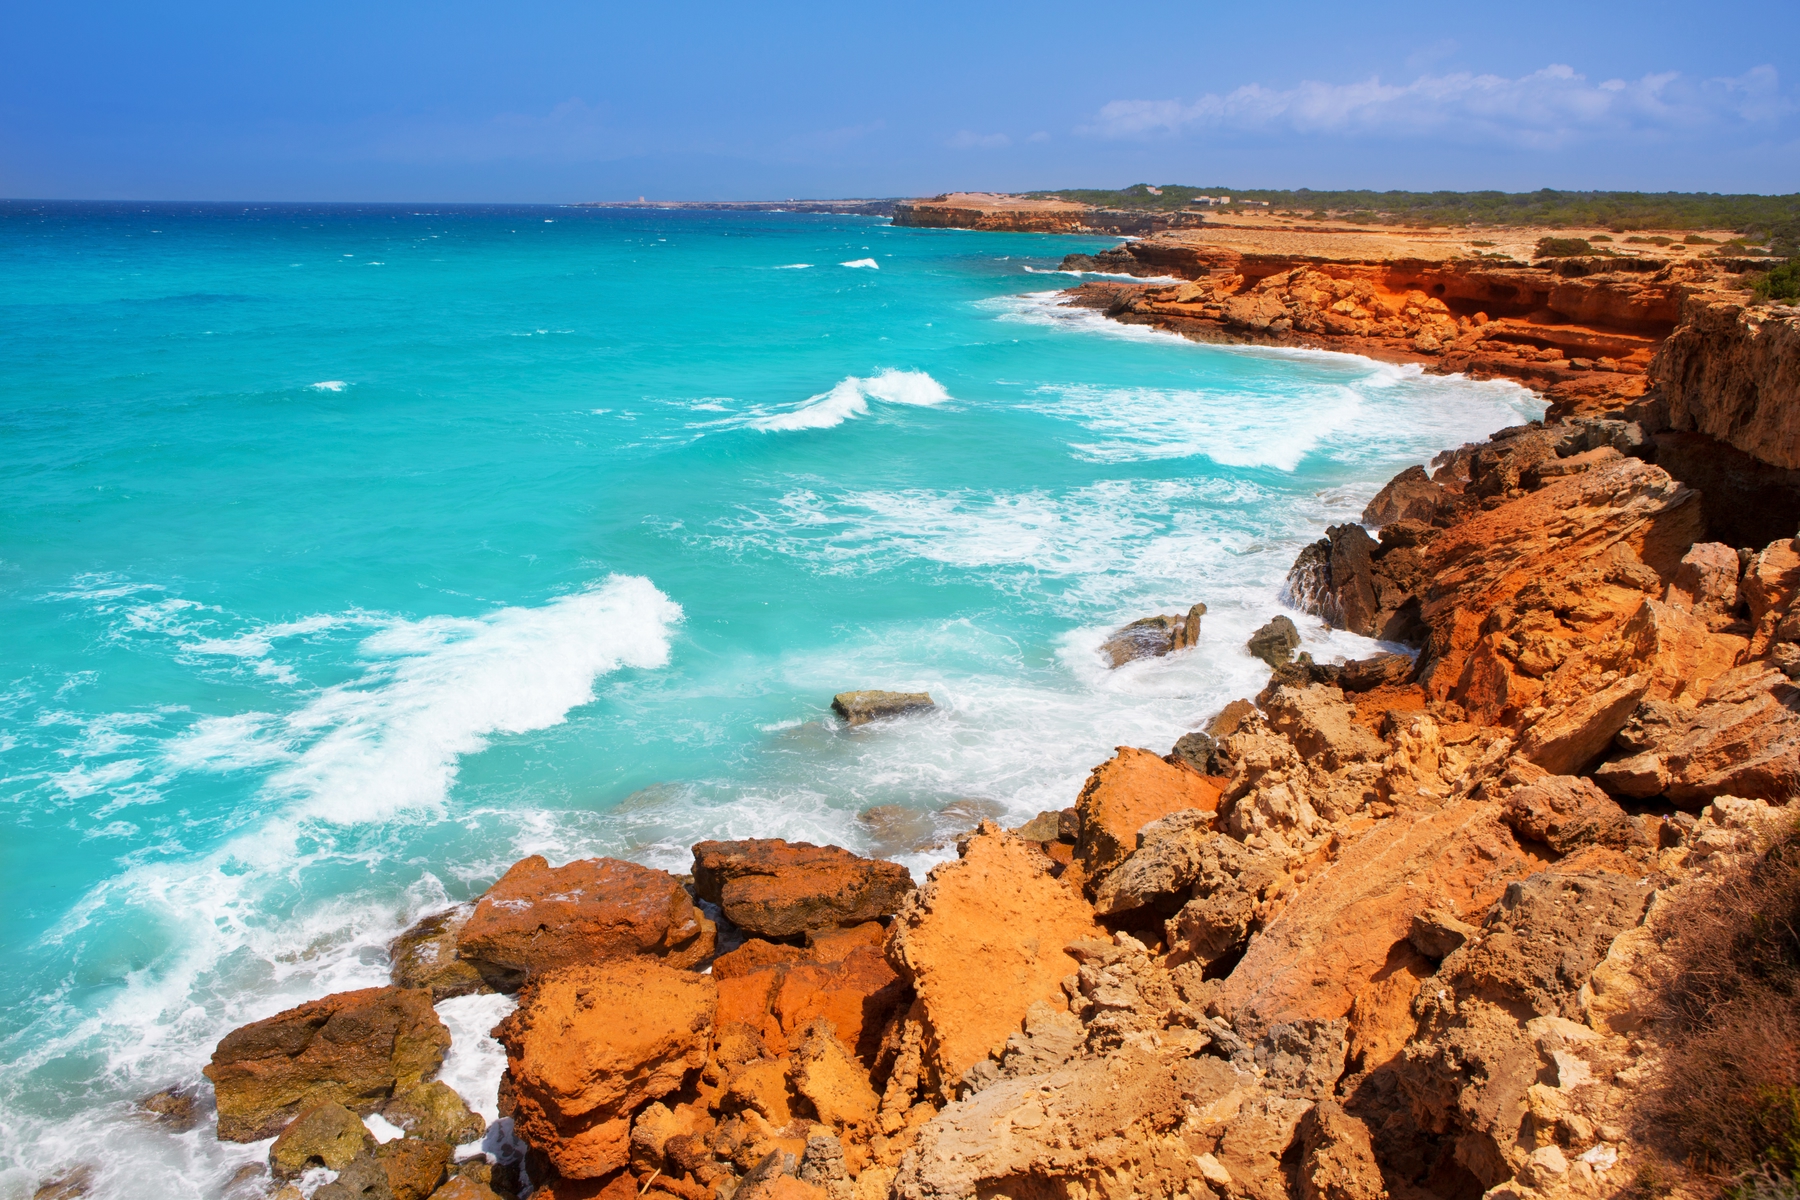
pixel 859 708
pixel 1275 642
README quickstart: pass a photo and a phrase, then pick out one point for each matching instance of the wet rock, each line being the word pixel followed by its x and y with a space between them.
pixel 588 1046
pixel 414 1167
pixel 1565 812
pixel 328 1135
pixel 436 1113
pixel 773 888
pixel 1275 642
pixel 1379 670
pixel 175 1107
pixel 898 828
pixel 1202 752
pixel 70 1185
pixel 1409 496
pixel 1337 1156
pixel 425 956
pixel 981 943
pixel 593 910
pixel 356 1048
pixel 1153 637
pixel 859 708
pixel 1126 793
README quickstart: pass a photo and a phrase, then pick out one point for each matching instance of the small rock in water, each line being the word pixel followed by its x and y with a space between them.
pixel 70 1185
pixel 176 1107
pixel 859 708
pixel 1153 637
pixel 1275 642
pixel 425 956
pixel 1201 752
pixel 328 1135
pixel 435 1112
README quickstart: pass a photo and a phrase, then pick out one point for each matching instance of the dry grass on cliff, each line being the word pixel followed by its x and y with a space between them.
pixel 1727 1100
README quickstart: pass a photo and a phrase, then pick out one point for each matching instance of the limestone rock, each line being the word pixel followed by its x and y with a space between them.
pixel 1124 794
pixel 777 997
pixel 1437 932
pixel 356 1048
pixel 538 918
pixel 1409 496
pixel 435 1112
pixel 1322 725
pixel 774 888
pixel 1706 581
pixel 1200 751
pixel 1378 670
pixel 1153 637
pixel 327 1135
pixel 1569 738
pixel 982 942
pixel 1337 1156
pixel 1742 740
pixel 1231 894
pixel 588 1046
pixel 1565 812
pixel 425 956
pixel 859 708
pixel 407 1169
pixel 1166 863
pixel 831 1079
pixel 1275 642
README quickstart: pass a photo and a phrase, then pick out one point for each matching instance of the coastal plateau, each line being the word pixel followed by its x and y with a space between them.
pixel 1397 927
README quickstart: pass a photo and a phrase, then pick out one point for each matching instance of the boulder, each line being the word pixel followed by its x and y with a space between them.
pixel 176 1108
pixel 407 1169
pixel 1742 740
pixel 1338 929
pixel 832 1080
pixel 326 1135
pixel 1565 813
pixel 1275 642
pixel 1153 637
pixel 1231 892
pixel 859 708
pixel 1337 1156
pixel 538 918
pixel 1706 581
pixel 355 1048
pixel 1230 719
pixel 435 1112
pixel 1322 725
pixel 1569 738
pixel 982 942
pixel 425 956
pixel 588 1046
pixel 1409 496
pixel 779 998
pixel 1437 932
pixel 1126 793
pixel 774 889
pixel 1379 670
pixel 1202 752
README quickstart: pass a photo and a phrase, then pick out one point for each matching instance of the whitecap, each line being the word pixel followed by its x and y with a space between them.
pixel 850 397
pixel 862 262
pixel 329 385
pixel 796 266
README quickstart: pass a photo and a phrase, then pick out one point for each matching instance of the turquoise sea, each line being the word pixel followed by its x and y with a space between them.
pixel 348 554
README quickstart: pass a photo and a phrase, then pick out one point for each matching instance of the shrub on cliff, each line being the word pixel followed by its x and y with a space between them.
pixel 1728 1096
pixel 1555 247
pixel 1783 283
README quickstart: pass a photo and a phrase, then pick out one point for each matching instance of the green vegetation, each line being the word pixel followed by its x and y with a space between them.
pixel 1783 283
pixel 1764 216
pixel 1694 239
pixel 1555 247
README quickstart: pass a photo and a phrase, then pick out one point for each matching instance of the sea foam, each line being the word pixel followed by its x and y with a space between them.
pixel 870 263
pixel 850 398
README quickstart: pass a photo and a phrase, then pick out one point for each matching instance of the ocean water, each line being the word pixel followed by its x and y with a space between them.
pixel 349 554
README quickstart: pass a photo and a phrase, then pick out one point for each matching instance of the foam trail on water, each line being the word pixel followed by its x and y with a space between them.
pixel 870 263
pixel 850 397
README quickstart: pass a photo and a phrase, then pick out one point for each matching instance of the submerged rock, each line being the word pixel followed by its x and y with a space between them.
pixel 1153 637
pixel 859 708
pixel 425 956
pixel 176 1107
pixel 1275 642
pixel 593 910
pixel 355 1048
pixel 774 888
pixel 436 1113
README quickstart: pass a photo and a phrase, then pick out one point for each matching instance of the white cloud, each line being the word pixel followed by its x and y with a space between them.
pixel 966 140
pixel 1546 109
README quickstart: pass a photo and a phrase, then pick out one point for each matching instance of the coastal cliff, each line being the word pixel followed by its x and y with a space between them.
pixel 1411 926
pixel 999 213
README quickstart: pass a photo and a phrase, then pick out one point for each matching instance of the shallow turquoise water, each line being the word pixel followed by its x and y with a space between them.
pixel 347 555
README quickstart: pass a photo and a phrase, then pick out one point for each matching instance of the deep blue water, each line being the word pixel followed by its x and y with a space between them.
pixel 348 554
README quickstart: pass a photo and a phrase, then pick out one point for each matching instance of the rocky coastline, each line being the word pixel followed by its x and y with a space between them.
pixel 1398 928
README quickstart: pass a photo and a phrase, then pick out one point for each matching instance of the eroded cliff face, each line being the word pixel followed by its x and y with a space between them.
pixel 1732 372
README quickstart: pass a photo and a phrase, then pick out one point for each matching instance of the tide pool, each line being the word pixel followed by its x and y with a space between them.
pixel 348 554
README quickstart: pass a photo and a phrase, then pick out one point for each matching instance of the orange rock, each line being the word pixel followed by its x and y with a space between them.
pixel 1126 793
pixel 593 910
pixel 753 956
pixel 355 1048
pixel 983 941
pixel 1340 928
pixel 772 888
pixel 856 994
pixel 588 1046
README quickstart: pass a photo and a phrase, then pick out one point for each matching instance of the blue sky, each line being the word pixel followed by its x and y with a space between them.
pixel 562 101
